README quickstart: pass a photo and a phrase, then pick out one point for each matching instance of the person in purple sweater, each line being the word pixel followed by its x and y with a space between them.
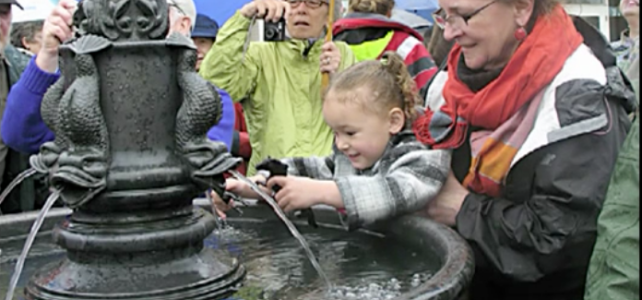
pixel 22 126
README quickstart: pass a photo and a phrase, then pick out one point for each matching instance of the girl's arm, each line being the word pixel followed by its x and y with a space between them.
pixel 408 185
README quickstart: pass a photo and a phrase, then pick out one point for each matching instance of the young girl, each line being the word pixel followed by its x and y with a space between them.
pixel 377 170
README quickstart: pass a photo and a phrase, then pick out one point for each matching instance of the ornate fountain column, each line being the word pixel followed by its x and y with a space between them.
pixel 130 117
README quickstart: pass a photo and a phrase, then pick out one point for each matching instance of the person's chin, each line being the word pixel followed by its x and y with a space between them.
pixel 301 33
pixel 360 165
pixel 472 62
pixel 300 36
pixel 631 12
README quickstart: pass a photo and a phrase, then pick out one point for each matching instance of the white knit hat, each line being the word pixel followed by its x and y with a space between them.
pixel 186 7
pixel 33 10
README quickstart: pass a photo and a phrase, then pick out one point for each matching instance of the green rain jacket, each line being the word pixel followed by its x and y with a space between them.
pixel 279 86
pixel 614 271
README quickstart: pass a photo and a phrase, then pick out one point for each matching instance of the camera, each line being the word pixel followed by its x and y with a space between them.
pixel 268 31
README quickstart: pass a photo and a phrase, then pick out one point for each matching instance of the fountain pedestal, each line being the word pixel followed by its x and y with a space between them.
pixel 130 116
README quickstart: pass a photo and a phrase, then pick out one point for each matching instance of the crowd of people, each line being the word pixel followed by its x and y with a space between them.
pixel 511 121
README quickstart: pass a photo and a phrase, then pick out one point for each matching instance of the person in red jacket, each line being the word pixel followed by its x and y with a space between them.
pixel 241 141
pixel 369 31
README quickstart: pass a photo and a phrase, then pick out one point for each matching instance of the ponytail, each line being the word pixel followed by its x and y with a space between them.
pixel 388 81
pixel 405 86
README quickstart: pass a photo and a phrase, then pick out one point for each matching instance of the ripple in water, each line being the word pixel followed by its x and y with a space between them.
pixel 361 266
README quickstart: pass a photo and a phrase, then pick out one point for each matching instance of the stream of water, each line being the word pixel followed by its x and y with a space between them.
pixel 16 181
pixel 289 225
pixel 30 239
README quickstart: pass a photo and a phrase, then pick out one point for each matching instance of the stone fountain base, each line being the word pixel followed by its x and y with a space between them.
pixel 180 279
pixel 181 273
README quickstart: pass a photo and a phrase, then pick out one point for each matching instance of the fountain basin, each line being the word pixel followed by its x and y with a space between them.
pixel 399 248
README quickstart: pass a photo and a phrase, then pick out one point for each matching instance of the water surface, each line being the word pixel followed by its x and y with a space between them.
pixel 361 266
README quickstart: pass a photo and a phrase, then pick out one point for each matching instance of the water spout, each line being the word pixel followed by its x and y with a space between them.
pixel 16 181
pixel 30 239
pixel 279 212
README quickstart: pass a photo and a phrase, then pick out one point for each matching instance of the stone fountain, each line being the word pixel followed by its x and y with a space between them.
pixel 130 117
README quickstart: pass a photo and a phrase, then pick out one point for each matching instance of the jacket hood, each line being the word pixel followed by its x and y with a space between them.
pixel 362 20
pixel 618 86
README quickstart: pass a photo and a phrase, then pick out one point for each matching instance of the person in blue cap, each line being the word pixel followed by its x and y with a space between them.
pixel 204 36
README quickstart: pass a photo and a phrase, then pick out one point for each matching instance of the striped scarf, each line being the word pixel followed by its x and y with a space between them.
pixel 505 108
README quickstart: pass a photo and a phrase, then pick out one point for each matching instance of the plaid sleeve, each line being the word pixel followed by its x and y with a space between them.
pixel 321 168
pixel 412 180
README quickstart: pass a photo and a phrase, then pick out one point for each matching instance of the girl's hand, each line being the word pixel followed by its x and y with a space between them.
pixel 301 192
pixel 238 188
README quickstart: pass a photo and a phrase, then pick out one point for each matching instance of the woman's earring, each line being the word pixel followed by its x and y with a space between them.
pixel 520 33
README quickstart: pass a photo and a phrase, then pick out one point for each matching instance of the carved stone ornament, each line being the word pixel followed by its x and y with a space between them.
pixel 123 19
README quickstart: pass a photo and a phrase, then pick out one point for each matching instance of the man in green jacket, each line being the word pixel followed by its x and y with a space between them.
pixel 614 272
pixel 279 83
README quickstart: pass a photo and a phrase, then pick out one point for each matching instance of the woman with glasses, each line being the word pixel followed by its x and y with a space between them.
pixel 279 83
pixel 535 110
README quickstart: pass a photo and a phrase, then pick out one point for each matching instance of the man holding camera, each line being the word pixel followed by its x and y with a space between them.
pixel 279 82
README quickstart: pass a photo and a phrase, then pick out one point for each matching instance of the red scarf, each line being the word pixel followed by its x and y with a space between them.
pixel 533 66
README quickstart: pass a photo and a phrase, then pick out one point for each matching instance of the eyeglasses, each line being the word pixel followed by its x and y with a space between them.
pixel 308 3
pixel 456 21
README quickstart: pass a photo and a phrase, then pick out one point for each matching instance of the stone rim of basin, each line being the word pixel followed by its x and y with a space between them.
pixel 449 282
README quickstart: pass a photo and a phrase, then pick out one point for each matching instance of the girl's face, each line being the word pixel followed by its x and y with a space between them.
pixel 361 133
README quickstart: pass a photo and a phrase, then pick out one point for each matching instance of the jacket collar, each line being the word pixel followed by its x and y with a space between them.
pixel 363 20
pixel 306 48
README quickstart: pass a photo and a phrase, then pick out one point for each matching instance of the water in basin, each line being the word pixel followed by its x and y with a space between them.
pixel 361 265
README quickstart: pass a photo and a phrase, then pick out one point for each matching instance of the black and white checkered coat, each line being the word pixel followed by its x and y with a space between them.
pixel 407 176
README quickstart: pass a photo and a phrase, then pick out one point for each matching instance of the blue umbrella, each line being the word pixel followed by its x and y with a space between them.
pixel 219 10
pixel 423 8
pixel 417 4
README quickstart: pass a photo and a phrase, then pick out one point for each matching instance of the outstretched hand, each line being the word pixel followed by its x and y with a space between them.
pixel 235 187
pixel 301 192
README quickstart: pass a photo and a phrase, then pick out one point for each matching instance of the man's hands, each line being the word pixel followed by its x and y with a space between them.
pixel 56 29
pixel 270 10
